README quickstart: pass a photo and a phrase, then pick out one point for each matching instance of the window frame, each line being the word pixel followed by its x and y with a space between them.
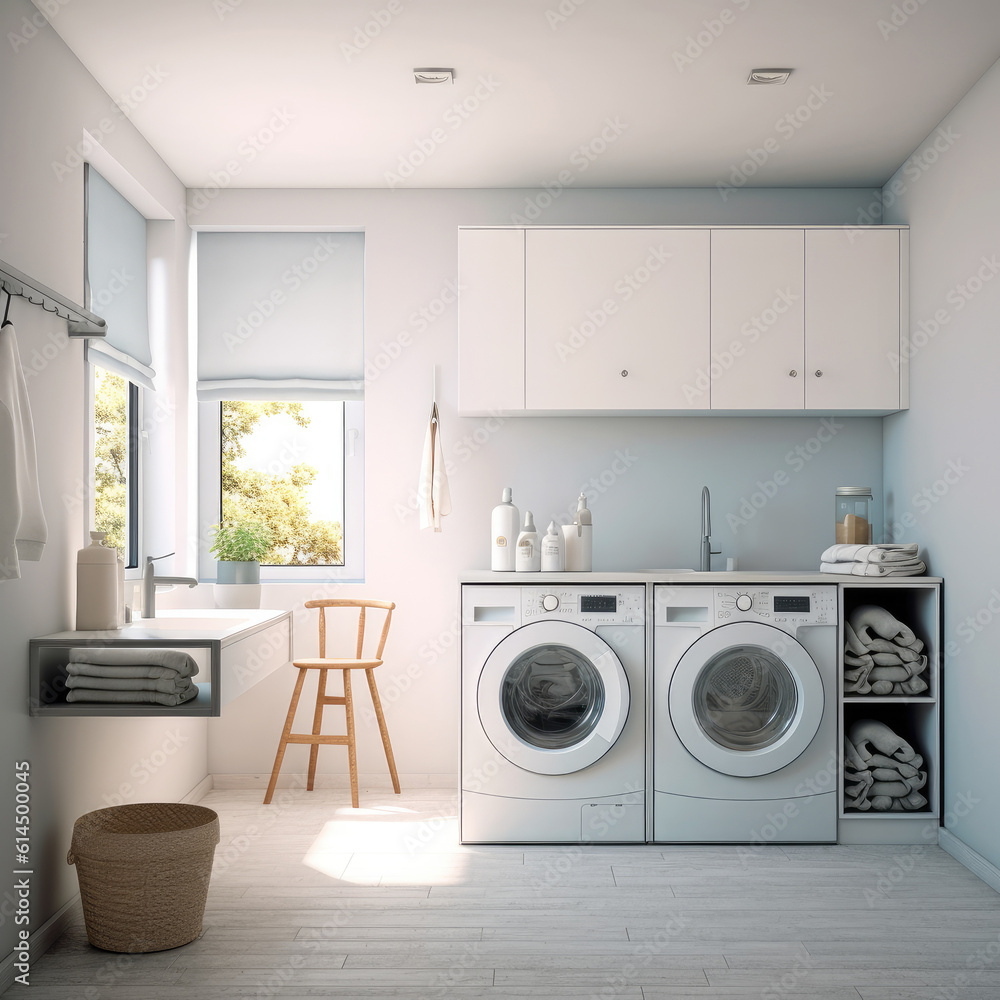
pixel 210 501
pixel 133 484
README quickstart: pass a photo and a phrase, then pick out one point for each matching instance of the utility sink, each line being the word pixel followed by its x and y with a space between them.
pixel 191 620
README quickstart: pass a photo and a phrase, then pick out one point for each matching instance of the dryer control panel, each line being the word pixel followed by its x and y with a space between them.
pixel 590 606
pixel 783 606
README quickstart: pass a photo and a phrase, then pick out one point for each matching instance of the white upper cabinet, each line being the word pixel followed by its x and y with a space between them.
pixel 757 319
pixel 742 319
pixel 490 320
pixel 616 319
pixel 852 314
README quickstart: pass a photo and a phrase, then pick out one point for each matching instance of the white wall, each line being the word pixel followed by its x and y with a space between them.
pixel 646 516
pixel 76 764
pixel 941 470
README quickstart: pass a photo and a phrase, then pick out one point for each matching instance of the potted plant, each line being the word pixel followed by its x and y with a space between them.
pixel 239 548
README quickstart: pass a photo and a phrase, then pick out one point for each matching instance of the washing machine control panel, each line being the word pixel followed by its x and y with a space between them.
pixel 588 606
pixel 782 606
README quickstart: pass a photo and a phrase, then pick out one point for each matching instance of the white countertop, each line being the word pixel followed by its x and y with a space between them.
pixel 672 576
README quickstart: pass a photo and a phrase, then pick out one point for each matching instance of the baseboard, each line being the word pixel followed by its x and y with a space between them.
pixel 40 942
pixel 972 859
pixel 376 780
pixel 200 790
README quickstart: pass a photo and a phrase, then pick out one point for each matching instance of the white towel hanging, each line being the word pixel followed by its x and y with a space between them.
pixel 433 491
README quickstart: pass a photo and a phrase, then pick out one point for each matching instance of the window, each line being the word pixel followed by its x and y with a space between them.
pixel 116 463
pixel 115 283
pixel 280 389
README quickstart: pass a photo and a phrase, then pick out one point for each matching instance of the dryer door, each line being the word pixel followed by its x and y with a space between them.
pixel 746 699
pixel 553 697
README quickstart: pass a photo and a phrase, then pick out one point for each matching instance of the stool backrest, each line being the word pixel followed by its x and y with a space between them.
pixel 363 606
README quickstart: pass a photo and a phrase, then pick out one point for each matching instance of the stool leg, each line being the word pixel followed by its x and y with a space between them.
pixel 383 729
pixel 352 754
pixel 285 733
pixel 317 726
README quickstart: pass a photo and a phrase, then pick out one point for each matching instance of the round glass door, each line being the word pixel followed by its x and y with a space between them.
pixel 746 699
pixel 553 697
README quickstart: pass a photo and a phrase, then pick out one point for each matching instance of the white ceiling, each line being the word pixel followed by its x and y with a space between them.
pixel 228 67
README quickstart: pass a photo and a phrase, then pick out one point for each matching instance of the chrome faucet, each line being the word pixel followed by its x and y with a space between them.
pixel 706 532
pixel 150 581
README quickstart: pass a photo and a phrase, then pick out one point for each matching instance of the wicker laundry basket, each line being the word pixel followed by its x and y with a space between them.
pixel 144 871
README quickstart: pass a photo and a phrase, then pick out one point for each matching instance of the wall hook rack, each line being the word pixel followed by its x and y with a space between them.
pixel 80 322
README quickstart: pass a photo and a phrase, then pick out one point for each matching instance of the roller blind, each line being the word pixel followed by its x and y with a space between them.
pixel 280 316
pixel 115 281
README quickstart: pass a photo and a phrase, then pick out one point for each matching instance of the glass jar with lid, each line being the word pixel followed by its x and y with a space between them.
pixel 853 515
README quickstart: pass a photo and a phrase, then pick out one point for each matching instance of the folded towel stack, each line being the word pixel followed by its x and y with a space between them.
pixel 132 676
pixel 881 655
pixel 872 560
pixel 881 770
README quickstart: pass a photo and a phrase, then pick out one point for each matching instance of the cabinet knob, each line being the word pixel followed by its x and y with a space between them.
pixel 793 374
pixel 819 374
pixel 624 373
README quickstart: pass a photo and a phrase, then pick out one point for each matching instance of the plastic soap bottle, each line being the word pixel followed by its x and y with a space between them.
pixel 529 556
pixel 553 552
pixel 504 526
pixel 96 586
pixel 580 539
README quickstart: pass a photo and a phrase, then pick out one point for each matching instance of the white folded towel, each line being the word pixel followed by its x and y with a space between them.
pixel 135 656
pixel 915 568
pixel 888 553
pixel 433 492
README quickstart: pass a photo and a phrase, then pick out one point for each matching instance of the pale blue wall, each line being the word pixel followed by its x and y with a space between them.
pixel 941 457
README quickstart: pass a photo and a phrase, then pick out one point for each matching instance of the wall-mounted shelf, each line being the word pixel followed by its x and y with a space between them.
pixel 80 322
pixel 232 658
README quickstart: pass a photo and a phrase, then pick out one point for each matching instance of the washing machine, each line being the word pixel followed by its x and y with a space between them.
pixel 553 714
pixel 744 714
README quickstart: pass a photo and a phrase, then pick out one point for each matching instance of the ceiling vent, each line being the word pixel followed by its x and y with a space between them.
pixel 768 77
pixel 429 75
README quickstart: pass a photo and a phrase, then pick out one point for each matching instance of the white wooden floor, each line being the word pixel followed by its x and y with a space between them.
pixel 310 898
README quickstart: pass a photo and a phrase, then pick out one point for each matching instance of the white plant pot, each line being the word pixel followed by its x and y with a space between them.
pixel 236 595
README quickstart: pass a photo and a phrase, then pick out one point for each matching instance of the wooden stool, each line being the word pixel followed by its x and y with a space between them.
pixel 323 664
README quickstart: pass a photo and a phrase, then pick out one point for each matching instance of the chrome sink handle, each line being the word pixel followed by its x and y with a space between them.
pixel 150 581
pixel 706 532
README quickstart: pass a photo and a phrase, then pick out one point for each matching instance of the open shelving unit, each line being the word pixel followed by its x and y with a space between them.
pixel 915 718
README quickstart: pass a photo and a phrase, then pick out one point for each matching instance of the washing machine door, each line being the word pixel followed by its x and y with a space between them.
pixel 553 697
pixel 746 699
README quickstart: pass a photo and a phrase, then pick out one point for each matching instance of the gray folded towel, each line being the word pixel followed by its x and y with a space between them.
pixel 125 656
pixel 132 697
pixel 135 672
pixel 165 685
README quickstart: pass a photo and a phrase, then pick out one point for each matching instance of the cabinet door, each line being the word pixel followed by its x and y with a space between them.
pixel 758 343
pixel 852 319
pixel 616 319
pixel 490 320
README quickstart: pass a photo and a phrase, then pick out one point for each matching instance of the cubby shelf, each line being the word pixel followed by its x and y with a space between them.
pixel 916 718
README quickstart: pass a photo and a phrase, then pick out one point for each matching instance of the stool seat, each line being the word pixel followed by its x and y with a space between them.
pixel 324 664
